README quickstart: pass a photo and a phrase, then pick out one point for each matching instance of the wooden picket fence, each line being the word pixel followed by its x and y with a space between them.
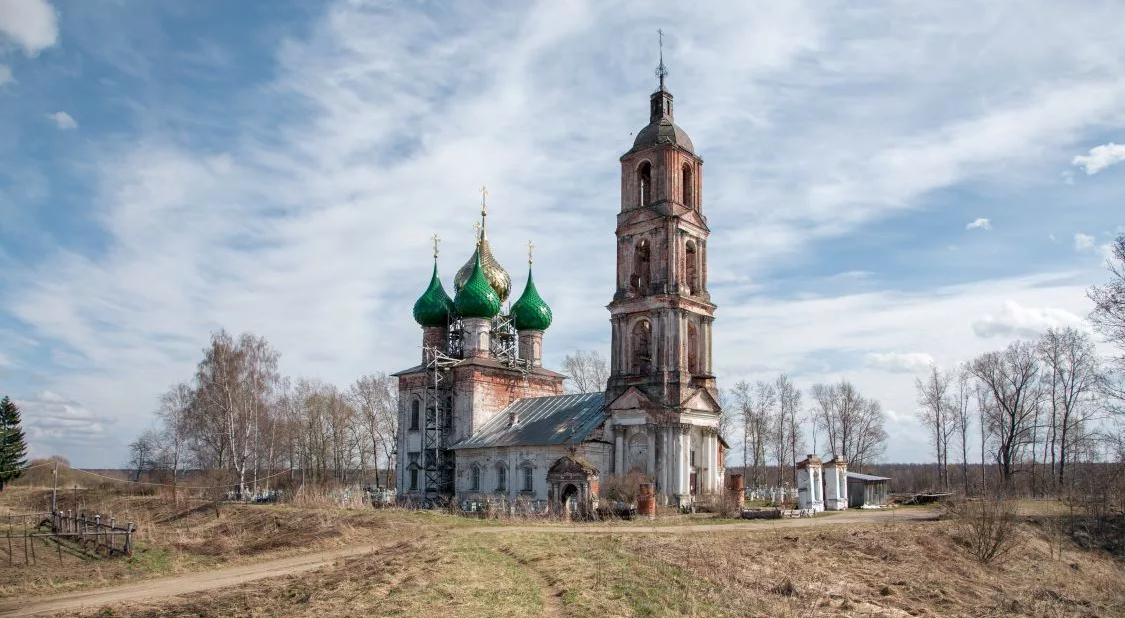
pixel 89 533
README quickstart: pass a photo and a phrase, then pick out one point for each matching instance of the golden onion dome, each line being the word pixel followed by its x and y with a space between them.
pixel 497 277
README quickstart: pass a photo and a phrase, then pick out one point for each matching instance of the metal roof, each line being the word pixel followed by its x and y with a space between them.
pixel 565 419
pixel 867 477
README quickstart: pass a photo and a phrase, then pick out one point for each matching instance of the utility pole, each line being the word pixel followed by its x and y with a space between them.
pixel 55 490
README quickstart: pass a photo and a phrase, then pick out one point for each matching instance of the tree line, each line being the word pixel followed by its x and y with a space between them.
pixel 239 414
pixel 1038 406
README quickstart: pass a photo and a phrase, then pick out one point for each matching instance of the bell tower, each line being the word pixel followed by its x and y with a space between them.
pixel 661 312
pixel 661 392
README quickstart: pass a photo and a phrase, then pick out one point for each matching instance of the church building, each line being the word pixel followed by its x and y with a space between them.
pixel 481 419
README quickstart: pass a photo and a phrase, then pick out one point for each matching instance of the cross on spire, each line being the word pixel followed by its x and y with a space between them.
pixel 530 248
pixel 661 70
pixel 437 241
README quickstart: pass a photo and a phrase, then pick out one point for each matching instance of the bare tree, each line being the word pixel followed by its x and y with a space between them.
pixel 787 426
pixel 1072 380
pixel 142 452
pixel 375 396
pixel 962 397
pixel 587 370
pixel 937 412
pixel 853 423
pixel 728 417
pixel 1108 316
pixel 1011 381
pixel 174 413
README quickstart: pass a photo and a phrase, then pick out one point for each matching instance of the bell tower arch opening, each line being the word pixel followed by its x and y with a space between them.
pixel 641 339
pixel 644 184
pixel 691 268
pixel 642 267
pixel 686 185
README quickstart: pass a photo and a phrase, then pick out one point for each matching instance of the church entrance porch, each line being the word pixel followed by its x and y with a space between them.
pixel 572 488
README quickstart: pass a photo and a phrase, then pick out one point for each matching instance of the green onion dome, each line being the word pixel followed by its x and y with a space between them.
pixel 434 306
pixel 530 312
pixel 477 299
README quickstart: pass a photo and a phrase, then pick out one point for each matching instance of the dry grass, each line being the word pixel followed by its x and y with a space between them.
pixel 194 535
pixel 430 564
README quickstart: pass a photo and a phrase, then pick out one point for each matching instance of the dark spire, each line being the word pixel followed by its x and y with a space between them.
pixel 661 70
pixel 661 100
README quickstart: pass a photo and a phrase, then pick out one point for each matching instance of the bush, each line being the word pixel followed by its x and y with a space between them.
pixel 623 487
pixel 987 528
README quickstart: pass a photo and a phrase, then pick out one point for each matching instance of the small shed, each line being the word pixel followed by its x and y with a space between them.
pixel 866 490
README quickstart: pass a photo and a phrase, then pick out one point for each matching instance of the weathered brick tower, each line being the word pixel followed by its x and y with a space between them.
pixel 661 388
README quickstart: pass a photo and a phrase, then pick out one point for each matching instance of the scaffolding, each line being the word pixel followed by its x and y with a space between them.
pixel 437 435
pixel 504 343
pixel 437 459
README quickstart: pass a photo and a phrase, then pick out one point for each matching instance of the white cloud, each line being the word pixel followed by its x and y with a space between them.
pixel 311 229
pixel 1015 320
pixel 894 362
pixel 1100 157
pixel 54 422
pixel 63 120
pixel 31 24
pixel 1083 241
pixel 6 75
pixel 979 224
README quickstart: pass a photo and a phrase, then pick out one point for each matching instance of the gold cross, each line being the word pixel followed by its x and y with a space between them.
pixel 483 201
pixel 437 240
pixel 530 248
pixel 477 229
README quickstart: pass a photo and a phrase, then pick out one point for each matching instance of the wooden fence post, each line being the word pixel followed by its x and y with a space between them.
pixel 129 540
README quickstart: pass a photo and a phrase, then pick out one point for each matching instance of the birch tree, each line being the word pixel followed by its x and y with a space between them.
pixel 375 396
pixel 937 412
pixel 174 413
pixel 1072 379
pixel 238 381
pixel 787 426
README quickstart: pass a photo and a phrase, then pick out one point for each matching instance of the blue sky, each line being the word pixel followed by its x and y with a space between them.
pixel 887 185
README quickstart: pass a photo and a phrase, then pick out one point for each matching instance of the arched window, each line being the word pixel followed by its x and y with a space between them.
pixel 642 347
pixel 692 349
pixel 501 478
pixel 415 407
pixel 642 255
pixel 691 268
pixel 687 187
pixel 528 478
pixel 474 478
pixel 644 184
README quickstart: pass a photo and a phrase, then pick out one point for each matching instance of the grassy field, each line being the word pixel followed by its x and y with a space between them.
pixel 457 567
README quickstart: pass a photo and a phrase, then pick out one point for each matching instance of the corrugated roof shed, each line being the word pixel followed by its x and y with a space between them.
pixel 867 477
pixel 565 419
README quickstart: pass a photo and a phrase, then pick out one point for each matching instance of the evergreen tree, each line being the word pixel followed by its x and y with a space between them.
pixel 13 446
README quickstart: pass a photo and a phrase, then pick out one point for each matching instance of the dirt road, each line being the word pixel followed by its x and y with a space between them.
pixel 233 576
pixel 846 517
